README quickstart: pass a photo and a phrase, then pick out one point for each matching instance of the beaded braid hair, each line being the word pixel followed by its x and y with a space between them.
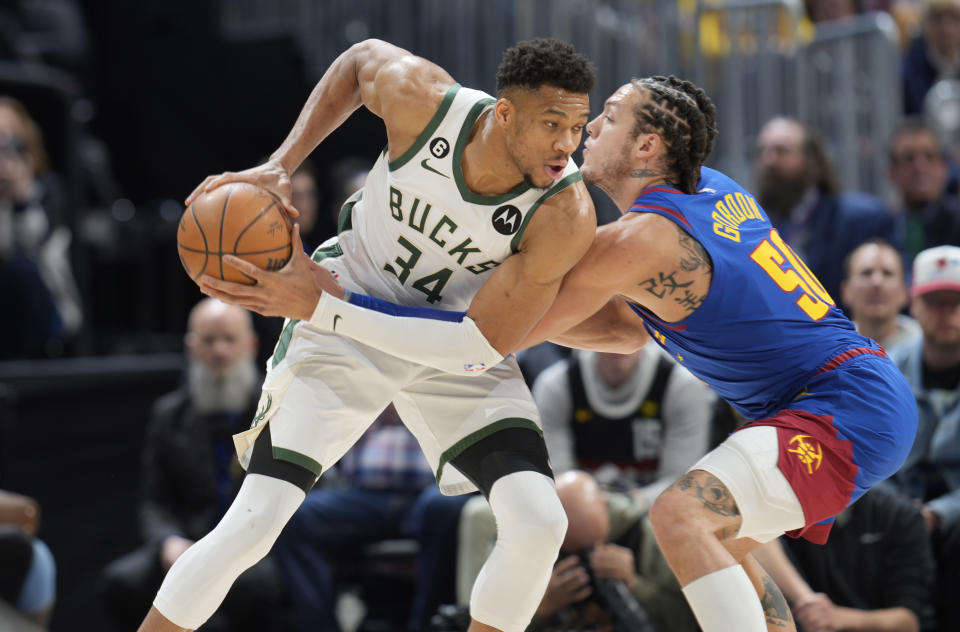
pixel 685 117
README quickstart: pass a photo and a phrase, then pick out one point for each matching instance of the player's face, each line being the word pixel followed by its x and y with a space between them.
pixel 875 288
pixel 917 167
pixel 606 153
pixel 938 313
pixel 545 128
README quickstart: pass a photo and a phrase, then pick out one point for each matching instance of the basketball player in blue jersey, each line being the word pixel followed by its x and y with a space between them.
pixel 695 259
pixel 695 263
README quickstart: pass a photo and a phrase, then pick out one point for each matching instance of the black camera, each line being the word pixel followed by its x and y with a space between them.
pixel 616 599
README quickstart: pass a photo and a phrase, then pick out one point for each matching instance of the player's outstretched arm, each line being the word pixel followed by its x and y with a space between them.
pixel 589 311
pixel 499 318
pixel 399 87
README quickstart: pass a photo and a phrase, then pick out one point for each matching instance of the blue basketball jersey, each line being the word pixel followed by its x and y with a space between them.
pixel 766 325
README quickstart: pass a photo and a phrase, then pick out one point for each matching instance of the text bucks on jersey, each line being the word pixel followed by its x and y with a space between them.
pixel 417 235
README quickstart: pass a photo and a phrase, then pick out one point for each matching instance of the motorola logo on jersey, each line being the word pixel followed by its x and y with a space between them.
pixel 506 219
pixel 439 147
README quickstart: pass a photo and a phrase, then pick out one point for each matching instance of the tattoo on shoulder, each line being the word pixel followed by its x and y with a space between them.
pixel 708 489
pixel 694 256
pixel 663 285
pixel 775 607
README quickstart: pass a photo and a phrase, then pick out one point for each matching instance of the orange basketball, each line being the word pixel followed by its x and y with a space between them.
pixel 234 219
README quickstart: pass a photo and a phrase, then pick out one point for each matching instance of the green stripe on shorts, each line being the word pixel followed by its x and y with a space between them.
pixel 280 351
pixel 283 454
pixel 510 422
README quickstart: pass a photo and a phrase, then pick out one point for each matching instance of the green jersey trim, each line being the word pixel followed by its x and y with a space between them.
pixel 465 192
pixel 502 424
pixel 283 454
pixel 345 218
pixel 564 183
pixel 428 131
pixel 280 351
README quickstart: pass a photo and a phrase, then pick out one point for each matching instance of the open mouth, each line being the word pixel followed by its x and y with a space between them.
pixel 555 171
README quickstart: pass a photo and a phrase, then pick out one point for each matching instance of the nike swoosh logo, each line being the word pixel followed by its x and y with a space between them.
pixel 423 163
pixel 336 317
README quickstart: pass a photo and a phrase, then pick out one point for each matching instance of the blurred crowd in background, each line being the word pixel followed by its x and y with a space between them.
pixel 842 116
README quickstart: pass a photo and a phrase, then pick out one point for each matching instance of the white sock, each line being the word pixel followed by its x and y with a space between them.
pixel 726 600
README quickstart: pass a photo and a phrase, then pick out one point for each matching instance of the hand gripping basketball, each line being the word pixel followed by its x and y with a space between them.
pixel 291 292
pixel 271 176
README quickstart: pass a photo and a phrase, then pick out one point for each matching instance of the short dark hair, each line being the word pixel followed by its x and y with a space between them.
pixel 880 242
pixel 539 62
pixel 912 125
pixel 685 118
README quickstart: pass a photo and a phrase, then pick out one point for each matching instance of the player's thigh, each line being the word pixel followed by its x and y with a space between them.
pixel 322 394
pixel 449 414
pixel 761 498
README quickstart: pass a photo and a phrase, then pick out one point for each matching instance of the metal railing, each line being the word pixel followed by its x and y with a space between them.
pixel 849 81
pixel 756 58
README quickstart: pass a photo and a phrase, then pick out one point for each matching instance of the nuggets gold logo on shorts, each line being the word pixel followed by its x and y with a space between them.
pixel 808 451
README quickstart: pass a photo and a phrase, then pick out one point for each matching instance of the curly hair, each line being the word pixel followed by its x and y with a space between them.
pixel 538 62
pixel 685 117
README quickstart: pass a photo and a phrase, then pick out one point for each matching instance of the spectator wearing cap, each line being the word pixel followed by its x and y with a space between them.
pixel 874 291
pixel 932 55
pixel 931 474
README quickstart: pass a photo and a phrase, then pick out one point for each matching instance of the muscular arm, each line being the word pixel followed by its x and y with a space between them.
pixel 402 89
pixel 502 312
pixel 641 258
pixel 590 311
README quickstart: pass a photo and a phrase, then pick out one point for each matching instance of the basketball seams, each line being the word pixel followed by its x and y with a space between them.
pixel 251 223
pixel 223 217
pixel 203 235
pixel 245 253
pixel 226 215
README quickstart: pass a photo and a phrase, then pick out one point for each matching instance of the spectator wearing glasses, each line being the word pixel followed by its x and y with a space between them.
pixel 930 214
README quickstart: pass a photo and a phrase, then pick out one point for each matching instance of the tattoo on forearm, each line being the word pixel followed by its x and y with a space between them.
pixel 667 284
pixel 775 606
pixel 708 489
pixel 694 256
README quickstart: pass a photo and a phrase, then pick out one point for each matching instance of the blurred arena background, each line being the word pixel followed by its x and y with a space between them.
pixel 138 100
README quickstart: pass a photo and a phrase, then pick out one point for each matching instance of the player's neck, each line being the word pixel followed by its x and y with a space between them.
pixel 486 165
pixel 633 185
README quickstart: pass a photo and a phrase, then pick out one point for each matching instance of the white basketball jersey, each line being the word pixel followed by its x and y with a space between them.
pixel 416 235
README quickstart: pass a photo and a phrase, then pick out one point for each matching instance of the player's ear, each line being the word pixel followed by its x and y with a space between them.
pixel 648 146
pixel 504 111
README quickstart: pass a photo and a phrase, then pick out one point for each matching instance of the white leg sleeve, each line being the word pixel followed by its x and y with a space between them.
pixel 200 579
pixel 531 524
pixel 726 600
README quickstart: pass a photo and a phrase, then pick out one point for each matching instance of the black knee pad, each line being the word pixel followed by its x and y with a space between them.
pixel 262 462
pixel 504 452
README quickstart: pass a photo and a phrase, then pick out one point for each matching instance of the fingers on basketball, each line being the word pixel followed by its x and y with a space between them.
pixel 237 219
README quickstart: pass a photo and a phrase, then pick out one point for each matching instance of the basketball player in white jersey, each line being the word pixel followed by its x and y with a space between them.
pixel 475 207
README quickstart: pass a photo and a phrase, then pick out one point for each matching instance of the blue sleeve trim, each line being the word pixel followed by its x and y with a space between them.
pixel 393 309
